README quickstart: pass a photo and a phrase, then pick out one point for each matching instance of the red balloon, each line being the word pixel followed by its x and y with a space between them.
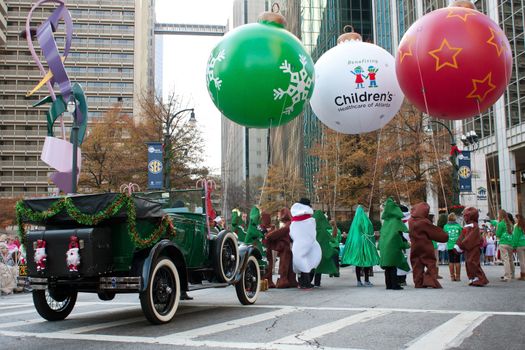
pixel 454 63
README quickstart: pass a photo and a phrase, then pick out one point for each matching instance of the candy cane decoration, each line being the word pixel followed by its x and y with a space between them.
pixel 209 186
pixel 129 188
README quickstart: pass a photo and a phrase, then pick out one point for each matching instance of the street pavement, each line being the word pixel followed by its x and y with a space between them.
pixel 339 315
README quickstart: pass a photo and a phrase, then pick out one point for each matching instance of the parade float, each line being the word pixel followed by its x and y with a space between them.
pixel 157 244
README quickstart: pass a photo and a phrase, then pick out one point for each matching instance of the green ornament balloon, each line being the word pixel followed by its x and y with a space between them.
pixel 260 75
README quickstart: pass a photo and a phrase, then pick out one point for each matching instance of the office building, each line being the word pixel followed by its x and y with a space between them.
pixel 111 57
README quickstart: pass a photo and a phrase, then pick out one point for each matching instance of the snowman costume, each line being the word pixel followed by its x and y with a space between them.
pixel 305 249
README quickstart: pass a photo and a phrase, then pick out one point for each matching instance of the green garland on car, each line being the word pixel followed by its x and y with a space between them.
pixel 24 213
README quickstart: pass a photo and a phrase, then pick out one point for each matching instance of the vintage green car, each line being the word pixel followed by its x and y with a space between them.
pixel 157 244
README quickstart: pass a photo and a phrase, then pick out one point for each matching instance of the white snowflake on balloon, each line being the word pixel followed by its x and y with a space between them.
pixel 210 74
pixel 300 84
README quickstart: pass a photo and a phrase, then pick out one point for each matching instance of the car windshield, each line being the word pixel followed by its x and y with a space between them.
pixel 182 201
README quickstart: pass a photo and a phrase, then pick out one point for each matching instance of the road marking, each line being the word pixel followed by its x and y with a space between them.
pixel 15 313
pixel 158 341
pixel 328 308
pixel 449 334
pixel 14 306
pixel 228 325
pixel 306 336
pixel 72 316
pixel 117 323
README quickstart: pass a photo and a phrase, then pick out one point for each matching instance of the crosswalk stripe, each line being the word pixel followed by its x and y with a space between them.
pixel 450 333
pixel 308 335
pixel 228 325
pixel 117 323
pixel 72 316
pixel 14 306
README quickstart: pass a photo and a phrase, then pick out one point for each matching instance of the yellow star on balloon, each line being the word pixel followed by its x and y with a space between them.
pixel 499 48
pixel 478 85
pixel 463 13
pixel 407 52
pixel 443 55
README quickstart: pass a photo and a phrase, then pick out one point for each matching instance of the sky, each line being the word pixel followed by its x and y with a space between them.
pixel 184 65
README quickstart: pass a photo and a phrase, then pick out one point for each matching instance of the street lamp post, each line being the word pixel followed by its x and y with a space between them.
pixel 72 108
pixel 167 144
pixel 470 139
pixel 453 160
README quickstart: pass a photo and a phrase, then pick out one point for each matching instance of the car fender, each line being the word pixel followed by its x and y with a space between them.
pixel 245 250
pixel 167 248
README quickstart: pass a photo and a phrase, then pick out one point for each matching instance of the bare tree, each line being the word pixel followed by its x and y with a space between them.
pixel 182 139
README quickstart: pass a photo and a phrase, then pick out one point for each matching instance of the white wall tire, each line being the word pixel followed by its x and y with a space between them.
pixel 161 298
pixel 226 257
pixel 248 287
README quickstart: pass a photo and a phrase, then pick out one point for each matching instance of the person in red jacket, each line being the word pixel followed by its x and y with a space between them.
pixel 470 242
pixel 279 240
pixel 422 257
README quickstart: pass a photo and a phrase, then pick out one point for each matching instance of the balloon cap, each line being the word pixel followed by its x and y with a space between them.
pixel 273 17
pixel 349 36
pixel 463 3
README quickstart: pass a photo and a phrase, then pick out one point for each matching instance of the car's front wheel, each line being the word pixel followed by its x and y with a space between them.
pixel 247 288
pixel 226 257
pixel 54 306
pixel 161 298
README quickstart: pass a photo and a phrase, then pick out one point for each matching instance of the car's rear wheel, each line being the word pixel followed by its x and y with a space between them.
pixel 226 257
pixel 247 288
pixel 161 298
pixel 54 306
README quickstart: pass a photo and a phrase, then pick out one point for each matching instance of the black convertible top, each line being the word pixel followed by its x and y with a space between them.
pixel 93 203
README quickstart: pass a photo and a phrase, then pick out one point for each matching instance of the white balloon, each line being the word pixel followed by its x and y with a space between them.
pixel 356 88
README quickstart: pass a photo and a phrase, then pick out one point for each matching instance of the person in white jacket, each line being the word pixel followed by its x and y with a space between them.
pixel 306 250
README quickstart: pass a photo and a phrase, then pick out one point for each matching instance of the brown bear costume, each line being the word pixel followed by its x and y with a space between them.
pixel 470 241
pixel 279 240
pixel 422 233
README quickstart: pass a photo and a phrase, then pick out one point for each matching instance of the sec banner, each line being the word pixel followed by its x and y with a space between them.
pixel 465 172
pixel 155 165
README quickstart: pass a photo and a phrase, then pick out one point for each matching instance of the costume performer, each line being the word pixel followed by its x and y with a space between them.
pixel 264 227
pixel 518 243
pixel 324 238
pixel 238 225
pixel 360 248
pixel 422 233
pixel 402 273
pixel 470 242
pixel 279 240
pixel 253 234
pixel 391 244
pixel 335 242
pixel 305 249
pixel 504 234
pixel 453 229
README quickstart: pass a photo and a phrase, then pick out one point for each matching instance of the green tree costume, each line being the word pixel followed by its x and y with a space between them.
pixel 253 235
pixel 237 225
pixel 324 238
pixel 390 243
pixel 360 248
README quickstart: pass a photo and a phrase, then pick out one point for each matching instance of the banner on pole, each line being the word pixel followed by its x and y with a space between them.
pixel 155 166
pixel 465 172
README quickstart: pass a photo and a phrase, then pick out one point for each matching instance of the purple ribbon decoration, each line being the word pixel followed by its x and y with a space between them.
pixel 47 42
pixel 55 151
